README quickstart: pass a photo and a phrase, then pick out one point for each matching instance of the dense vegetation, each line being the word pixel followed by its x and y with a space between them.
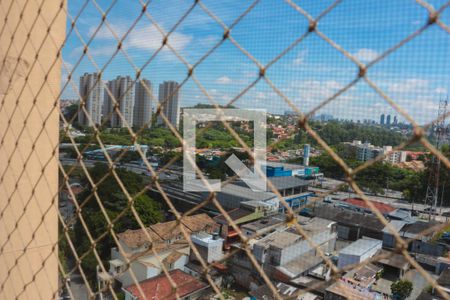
pixel 115 202
pixel 381 175
pixel 335 133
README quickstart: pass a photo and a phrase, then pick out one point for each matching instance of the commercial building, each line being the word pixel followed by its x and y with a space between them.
pixel 358 251
pixel 285 255
pixel 120 94
pixel 382 119
pixel 388 120
pixel 142 115
pixel 278 169
pixel 351 225
pixel 169 101
pixel 91 93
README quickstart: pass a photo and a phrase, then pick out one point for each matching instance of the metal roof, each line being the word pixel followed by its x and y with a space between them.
pixel 361 246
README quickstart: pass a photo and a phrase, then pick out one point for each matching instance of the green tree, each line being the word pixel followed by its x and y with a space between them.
pixel 116 204
pixel 401 289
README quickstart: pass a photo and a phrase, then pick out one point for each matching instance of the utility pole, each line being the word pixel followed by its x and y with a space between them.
pixel 440 135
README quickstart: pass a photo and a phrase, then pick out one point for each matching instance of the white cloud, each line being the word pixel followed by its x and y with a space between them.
pixel 224 80
pixel 365 54
pixel 412 85
pixel 440 90
pixel 146 37
pixel 149 38
pixel 300 58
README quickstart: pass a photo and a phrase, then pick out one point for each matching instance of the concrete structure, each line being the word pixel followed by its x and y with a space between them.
pixel 169 101
pixel 91 94
pixel 287 255
pixel 388 120
pixel 209 246
pixel 30 48
pixel 264 226
pixel 142 115
pixel 382 119
pixel 120 94
pixel 358 251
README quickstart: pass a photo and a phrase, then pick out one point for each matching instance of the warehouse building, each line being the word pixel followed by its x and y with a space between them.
pixel 358 251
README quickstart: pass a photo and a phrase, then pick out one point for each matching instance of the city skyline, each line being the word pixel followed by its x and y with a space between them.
pixel 133 99
pixel 308 74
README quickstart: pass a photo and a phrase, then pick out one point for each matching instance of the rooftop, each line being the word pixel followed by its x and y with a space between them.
pixel 265 222
pixel 159 287
pixel 444 278
pixel 395 225
pixel 234 215
pixel 280 239
pixel 382 207
pixel 241 190
pixel 420 228
pixel 394 260
pixel 263 292
pixel 349 291
pixel 313 225
pixel 286 166
pixel 361 246
pixel 286 182
pixel 167 230
pixel 300 265
pixel 347 217
pixel 205 238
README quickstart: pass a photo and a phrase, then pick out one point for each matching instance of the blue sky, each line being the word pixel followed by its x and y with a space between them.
pixel 416 76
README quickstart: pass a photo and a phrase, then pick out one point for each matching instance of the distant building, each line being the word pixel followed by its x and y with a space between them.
pixel 388 120
pixel 279 169
pixel 120 94
pixel 91 93
pixel 169 101
pixel 323 118
pixel 367 151
pixel 395 120
pixel 142 115
pixel 382 119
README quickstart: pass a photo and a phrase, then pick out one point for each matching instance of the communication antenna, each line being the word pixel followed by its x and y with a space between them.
pixel 440 134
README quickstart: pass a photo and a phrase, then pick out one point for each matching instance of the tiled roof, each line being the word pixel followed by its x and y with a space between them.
pixel 382 207
pixel 137 238
pixel 161 232
pixel 159 287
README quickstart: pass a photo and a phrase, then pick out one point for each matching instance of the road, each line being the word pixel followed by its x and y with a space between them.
pixel 393 198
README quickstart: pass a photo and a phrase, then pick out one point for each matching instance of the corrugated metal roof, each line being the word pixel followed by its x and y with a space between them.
pixel 361 246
